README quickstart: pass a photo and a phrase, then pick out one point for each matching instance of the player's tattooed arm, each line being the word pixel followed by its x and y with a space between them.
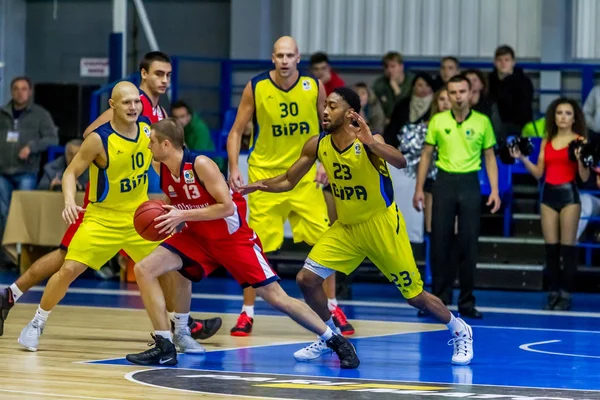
pixel 91 150
pixel 288 180
pixel 212 179
pixel 244 116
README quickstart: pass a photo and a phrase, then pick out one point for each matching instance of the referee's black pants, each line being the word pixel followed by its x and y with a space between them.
pixel 455 195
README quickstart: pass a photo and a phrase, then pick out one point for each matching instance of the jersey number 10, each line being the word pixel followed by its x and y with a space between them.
pixel 137 160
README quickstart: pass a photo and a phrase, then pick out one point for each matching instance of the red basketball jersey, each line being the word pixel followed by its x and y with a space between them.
pixel 154 114
pixel 187 193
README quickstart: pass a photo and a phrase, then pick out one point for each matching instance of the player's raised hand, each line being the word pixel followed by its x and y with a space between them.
pixel 235 179
pixel 71 212
pixel 252 187
pixel 171 221
pixel 362 131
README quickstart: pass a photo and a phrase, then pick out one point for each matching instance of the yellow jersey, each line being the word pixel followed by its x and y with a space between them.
pixel 123 184
pixel 283 120
pixel 361 188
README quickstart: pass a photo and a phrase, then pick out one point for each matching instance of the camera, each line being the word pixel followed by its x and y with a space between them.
pixel 525 146
pixel 589 151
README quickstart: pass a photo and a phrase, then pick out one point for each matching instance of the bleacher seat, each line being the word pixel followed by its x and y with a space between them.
pixel 228 120
pixel 504 190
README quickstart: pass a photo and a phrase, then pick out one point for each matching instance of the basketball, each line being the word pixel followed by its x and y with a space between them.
pixel 144 220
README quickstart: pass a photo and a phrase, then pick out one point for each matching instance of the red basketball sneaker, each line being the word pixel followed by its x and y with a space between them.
pixel 243 327
pixel 339 319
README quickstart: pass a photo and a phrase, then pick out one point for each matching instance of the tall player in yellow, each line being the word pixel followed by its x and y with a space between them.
pixel 285 106
pixel 369 223
pixel 118 159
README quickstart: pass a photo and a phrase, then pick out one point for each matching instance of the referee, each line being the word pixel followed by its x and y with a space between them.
pixel 460 135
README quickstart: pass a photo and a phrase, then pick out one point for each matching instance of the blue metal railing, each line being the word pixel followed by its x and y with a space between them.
pixel 226 87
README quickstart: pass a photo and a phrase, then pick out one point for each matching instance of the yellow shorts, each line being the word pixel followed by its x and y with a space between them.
pixel 102 234
pixel 304 206
pixel 382 238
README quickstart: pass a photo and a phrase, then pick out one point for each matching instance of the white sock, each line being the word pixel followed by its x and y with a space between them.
pixel 171 316
pixel 16 292
pixel 249 310
pixel 327 335
pixel 331 324
pixel 181 321
pixel 331 304
pixel 164 334
pixel 455 326
pixel 41 316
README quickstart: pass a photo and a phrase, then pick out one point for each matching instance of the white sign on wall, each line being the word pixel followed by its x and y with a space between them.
pixel 94 67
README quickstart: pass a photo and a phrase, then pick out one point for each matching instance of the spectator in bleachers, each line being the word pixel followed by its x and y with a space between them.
pixel 590 204
pixel 449 66
pixel 461 136
pixel 197 135
pixel 54 170
pixel 26 131
pixel 395 84
pixel 480 101
pixel 560 207
pixel 411 142
pixel 411 110
pixel 319 66
pixel 511 90
pixel 591 110
pixel 370 109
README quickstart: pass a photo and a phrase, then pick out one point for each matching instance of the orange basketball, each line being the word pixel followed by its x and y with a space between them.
pixel 144 220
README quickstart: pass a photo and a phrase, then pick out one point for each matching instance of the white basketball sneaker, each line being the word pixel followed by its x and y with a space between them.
pixel 313 351
pixel 184 341
pixel 463 345
pixel 30 335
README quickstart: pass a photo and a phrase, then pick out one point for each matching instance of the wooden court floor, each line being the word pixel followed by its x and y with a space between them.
pixel 77 334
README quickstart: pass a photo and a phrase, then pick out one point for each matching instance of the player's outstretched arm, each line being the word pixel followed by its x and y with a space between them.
pixel 234 139
pixel 287 181
pixel 90 150
pixel 101 120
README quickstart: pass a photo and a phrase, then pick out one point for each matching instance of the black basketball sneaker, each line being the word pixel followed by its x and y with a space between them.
pixel 163 353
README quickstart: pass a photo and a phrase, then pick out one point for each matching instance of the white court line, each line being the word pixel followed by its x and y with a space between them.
pixel 522 328
pixel 380 304
pixel 527 347
pixel 57 395
pixel 130 378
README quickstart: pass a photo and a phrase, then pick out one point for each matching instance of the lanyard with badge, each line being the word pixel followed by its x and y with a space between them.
pixel 13 136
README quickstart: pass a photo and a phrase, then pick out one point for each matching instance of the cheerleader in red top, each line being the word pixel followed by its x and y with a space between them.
pixel 560 205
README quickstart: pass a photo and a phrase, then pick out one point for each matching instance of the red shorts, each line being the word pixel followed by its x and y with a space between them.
pixel 241 255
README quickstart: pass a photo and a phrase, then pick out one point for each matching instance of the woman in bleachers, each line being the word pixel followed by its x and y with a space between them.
pixel 560 200
pixel 411 110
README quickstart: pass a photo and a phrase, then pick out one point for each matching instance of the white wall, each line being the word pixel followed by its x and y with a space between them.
pixel 586 30
pixel 428 28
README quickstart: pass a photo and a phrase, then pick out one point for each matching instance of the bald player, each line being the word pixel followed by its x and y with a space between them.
pixel 155 71
pixel 116 190
pixel 286 106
